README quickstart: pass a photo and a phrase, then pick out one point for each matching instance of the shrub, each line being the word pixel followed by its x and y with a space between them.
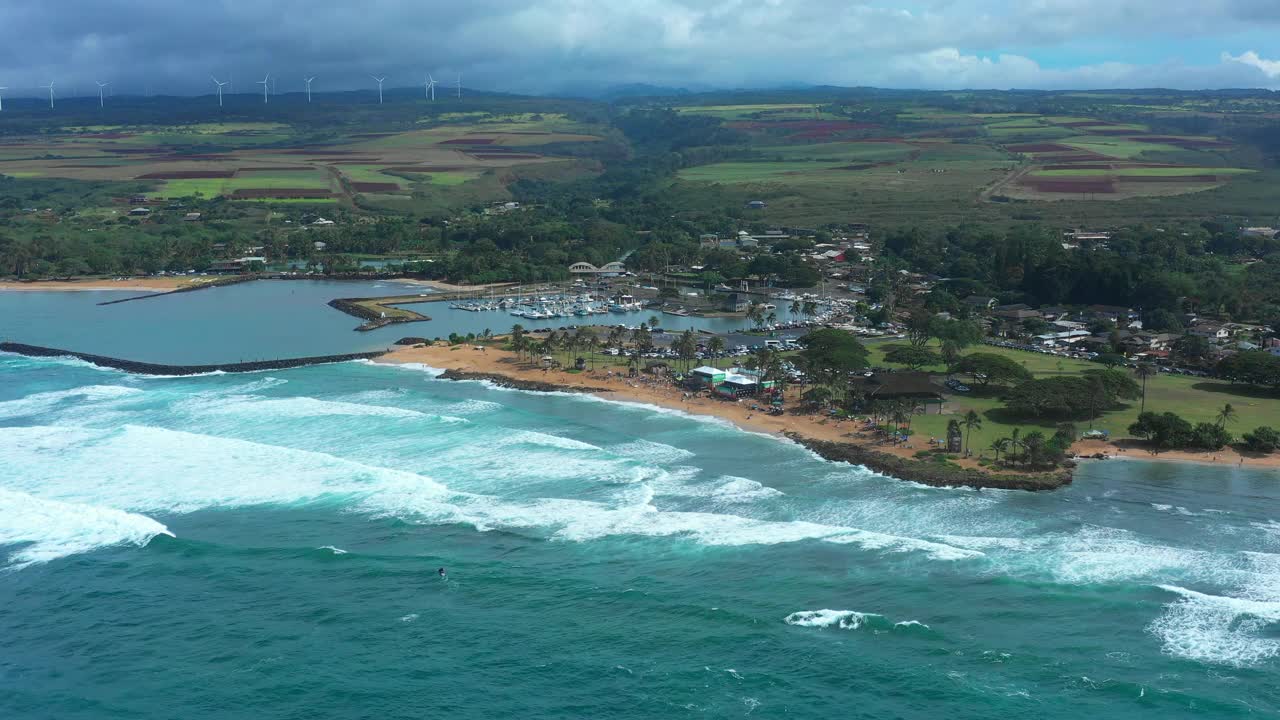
pixel 1262 440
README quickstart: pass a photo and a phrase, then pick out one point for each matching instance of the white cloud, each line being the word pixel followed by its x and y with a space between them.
pixel 1270 68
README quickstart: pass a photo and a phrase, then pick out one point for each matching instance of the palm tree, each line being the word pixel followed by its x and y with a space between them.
pixel 1144 371
pixel 1226 414
pixel 809 308
pixel 1014 442
pixel 795 308
pixel 998 446
pixel 772 318
pixel 971 420
pixel 716 346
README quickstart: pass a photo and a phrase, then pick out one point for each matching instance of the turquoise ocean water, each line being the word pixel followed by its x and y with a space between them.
pixel 265 545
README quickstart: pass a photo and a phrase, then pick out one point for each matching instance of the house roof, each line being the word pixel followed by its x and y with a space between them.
pixel 900 384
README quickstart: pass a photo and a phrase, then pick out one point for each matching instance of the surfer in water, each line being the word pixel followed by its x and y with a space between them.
pixel 441 573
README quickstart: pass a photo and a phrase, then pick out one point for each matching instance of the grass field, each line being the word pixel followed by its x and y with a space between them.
pixel 1195 399
pixel 1115 147
pixel 211 187
pixel 845 152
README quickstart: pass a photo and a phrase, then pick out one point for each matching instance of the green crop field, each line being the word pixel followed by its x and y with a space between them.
pixel 1116 147
pixel 212 187
pixel 840 152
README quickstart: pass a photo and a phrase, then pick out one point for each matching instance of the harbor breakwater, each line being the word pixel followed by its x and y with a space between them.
pixel 144 368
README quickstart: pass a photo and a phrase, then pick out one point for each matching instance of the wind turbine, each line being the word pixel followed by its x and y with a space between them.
pixel 429 88
pixel 50 86
pixel 265 87
pixel 219 84
pixel 100 86
pixel 308 82
pixel 379 81
pixel 459 84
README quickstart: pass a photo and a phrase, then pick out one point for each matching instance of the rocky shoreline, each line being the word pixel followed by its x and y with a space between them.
pixel 143 368
pixel 518 384
pixel 931 473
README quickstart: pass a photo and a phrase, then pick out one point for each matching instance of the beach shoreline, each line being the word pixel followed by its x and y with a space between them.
pixel 836 440
pixel 136 284
pixel 819 434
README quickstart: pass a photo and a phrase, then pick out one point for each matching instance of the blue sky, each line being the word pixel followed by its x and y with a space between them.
pixel 545 46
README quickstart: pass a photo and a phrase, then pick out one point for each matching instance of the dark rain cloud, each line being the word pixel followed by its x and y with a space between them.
pixel 555 45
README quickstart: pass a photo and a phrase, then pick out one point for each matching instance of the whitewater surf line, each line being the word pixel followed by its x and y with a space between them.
pixel 144 368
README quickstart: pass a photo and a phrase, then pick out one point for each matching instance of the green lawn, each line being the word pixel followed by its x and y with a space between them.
pixel 1196 399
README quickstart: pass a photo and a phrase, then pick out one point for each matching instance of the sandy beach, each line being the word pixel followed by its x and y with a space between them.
pixel 616 386
pixel 141 284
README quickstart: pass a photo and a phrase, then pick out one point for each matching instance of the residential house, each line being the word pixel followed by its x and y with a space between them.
pixel 980 302
pixel 1210 331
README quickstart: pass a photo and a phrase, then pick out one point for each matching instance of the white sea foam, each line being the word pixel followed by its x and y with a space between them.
pixel 49 529
pixel 43 402
pixel 532 437
pixel 409 618
pixel 1218 629
pixel 144 469
pixel 334 550
pixel 651 452
pixel 850 620
pixel 843 619
pixel 297 407
pixel 740 489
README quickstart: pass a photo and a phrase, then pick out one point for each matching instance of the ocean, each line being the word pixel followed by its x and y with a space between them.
pixel 261 320
pixel 266 545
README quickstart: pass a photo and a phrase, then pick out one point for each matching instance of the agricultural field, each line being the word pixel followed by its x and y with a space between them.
pixel 776 111
pixel 945 163
pixel 273 161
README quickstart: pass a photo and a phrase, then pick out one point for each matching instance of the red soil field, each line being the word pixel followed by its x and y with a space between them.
pixel 1083 185
pixel 187 175
pixel 468 141
pixel 1200 179
pixel 527 132
pixel 374 187
pixel 282 193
